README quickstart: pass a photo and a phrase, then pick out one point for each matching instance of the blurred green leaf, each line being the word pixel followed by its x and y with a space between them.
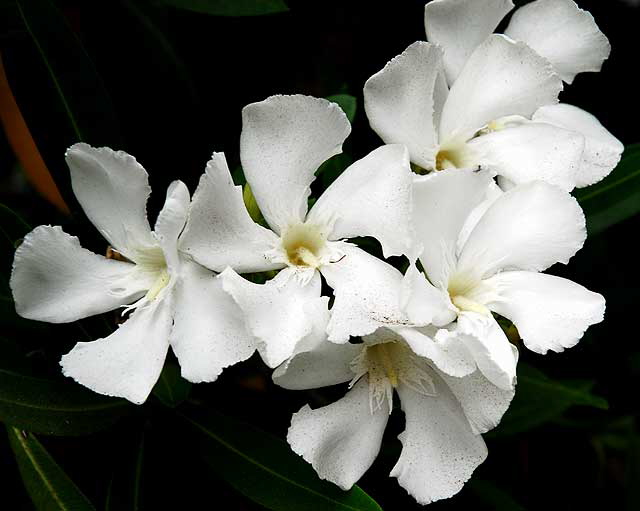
pixel 633 474
pixel 540 399
pixel 252 206
pixel 264 468
pixel 231 7
pixel 84 111
pixel 49 487
pixel 171 389
pixel 347 102
pixel 493 497
pixel 53 407
pixel 615 198
pixel 125 489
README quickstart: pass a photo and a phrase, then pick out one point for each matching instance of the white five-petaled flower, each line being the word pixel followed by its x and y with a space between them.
pixel 482 251
pixel 175 302
pixel 441 443
pixel 470 99
pixel 284 141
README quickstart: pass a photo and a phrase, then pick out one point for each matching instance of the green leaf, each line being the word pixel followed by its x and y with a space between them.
pixel 82 111
pixel 49 487
pixel 53 407
pixel 616 197
pixel 540 399
pixel 231 7
pixel 493 497
pixel 171 388
pixel 347 102
pixel 252 206
pixel 264 468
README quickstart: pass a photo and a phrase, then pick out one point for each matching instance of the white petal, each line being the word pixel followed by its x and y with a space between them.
pixel 602 150
pixel 530 227
pixel 220 232
pixel 424 303
pixel 367 294
pixel 551 313
pixel 54 279
pixel 494 192
pixel 128 362
pixel 324 365
pixel 340 440
pixel 448 353
pixel 562 33
pixel 439 450
pixel 489 346
pixel 483 403
pixel 284 141
pixel 170 222
pixel 371 198
pixel 459 26
pixel 442 202
pixel 403 101
pixel 278 313
pixel 533 151
pixel 501 78
pixel 209 333
pixel 112 188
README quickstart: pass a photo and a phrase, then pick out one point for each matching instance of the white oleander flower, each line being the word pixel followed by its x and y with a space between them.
pixel 482 252
pixel 175 302
pixel 284 141
pixel 499 107
pixel 444 415
pixel 558 30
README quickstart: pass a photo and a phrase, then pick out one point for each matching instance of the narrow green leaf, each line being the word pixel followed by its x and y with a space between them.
pixel 171 389
pixel 53 407
pixel 264 468
pixel 231 7
pixel 83 110
pixel 347 102
pixel 48 486
pixel 252 205
pixel 540 399
pixel 615 198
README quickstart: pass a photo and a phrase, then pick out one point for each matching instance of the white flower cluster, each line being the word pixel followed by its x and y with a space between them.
pixel 476 116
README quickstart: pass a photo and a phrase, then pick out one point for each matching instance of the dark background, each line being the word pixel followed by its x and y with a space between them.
pixel 176 82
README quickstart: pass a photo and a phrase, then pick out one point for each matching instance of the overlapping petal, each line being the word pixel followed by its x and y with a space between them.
pixel 439 449
pixel 564 34
pixel 278 313
pixel 340 440
pixel 128 362
pixel 551 313
pixel 530 227
pixel 170 222
pixel 501 78
pixel 367 294
pixel 54 279
pixel 371 198
pixel 403 101
pixel 442 203
pixel 220 232
pixel 112 188
pixel 460 26
pixel 284 140
pixel 533 151
pixel 209 332
pixel 602 151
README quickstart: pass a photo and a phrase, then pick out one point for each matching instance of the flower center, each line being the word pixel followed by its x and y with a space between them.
pixel 388 364
pixel 465 292
pixel 160 283
pixel 454 154
pixel 304 245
